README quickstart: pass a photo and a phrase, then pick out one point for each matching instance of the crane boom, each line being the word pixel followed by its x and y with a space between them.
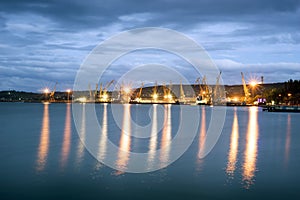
pixel 205 89
pixel 108 84
pixel 217 86
pixel 140 91
pixel 103 90
pixel 199 85
pixel 182 96
pixel 246 91
pixel 53 92
pixel 100 90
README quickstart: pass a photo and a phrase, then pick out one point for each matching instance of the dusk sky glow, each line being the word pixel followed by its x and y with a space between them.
pixel 43 42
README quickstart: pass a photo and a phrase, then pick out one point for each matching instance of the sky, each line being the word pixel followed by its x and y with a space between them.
pixel 44 42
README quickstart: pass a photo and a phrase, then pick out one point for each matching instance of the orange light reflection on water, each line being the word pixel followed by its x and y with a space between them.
pixel 103 137
pixel 166 136
pixel 201 137
pixel 250 154
pixel 44 141
pixel 82 135
pixel 67 137
pixel 125 140
pixel 234 143
pixel 288 139
pixel 153 137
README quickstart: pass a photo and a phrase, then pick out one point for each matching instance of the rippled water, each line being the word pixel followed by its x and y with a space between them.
pixel 257 155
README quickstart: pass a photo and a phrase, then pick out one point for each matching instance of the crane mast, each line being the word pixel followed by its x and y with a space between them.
pixel 217 92
pixel 103 92
pixel 52 93
pixel 182 96
pixel 140 91
pixel 246 91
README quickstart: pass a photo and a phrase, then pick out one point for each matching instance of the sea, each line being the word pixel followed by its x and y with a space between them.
pixel 46 152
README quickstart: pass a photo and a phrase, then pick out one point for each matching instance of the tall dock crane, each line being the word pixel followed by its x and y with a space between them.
pixel 52 93
pixel 139 95
pixel 103 92
pixel 217 90
pixel 246 91
pixel 204 96
pixel 182 96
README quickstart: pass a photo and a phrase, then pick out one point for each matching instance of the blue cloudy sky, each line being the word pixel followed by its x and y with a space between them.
pixel 43 42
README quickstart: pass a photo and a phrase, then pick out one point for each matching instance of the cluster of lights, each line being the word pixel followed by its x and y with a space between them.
pixel 253 83
pixel 46 90
pixel 127 90
pixel 104 97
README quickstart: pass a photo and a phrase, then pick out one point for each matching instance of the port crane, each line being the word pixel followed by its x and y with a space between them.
pixel 203 97
pixel 246 91
pixel 103 91
pixel 51 96
pixel 182 96
pixel 217 91
pixel 96 92
pixel 140 92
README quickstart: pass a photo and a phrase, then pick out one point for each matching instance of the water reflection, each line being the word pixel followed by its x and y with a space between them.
pixel 44 141
pixel 288 139
pixel 67 137
pixel 234 143
pixel 250 155
pixel 80 147
pixel 166 136
pixel 125 140
pixel 153 138
pixel 103 137
pixel 201 137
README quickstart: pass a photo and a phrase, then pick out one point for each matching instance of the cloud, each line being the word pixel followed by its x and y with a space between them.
pixel 48 40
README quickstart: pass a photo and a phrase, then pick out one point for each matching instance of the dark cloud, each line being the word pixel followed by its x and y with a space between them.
pixel 48 40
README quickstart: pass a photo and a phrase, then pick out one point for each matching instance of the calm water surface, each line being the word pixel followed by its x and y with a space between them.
pixel 42 157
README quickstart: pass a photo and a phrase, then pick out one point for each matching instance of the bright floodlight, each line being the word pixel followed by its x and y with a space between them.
pixel 46 90
pixel 82 99
pixel 155 96
pixel 68 90
pixel 105 97
pixel 253 83
pixel 127 90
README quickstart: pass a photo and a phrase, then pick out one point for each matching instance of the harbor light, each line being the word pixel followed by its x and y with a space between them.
pixel 104 97
pixel 253 83
pixel 46 90
pixel 82 99
pixel 155 96
pixel 68 91
pixel 235 99
pixel 127 90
